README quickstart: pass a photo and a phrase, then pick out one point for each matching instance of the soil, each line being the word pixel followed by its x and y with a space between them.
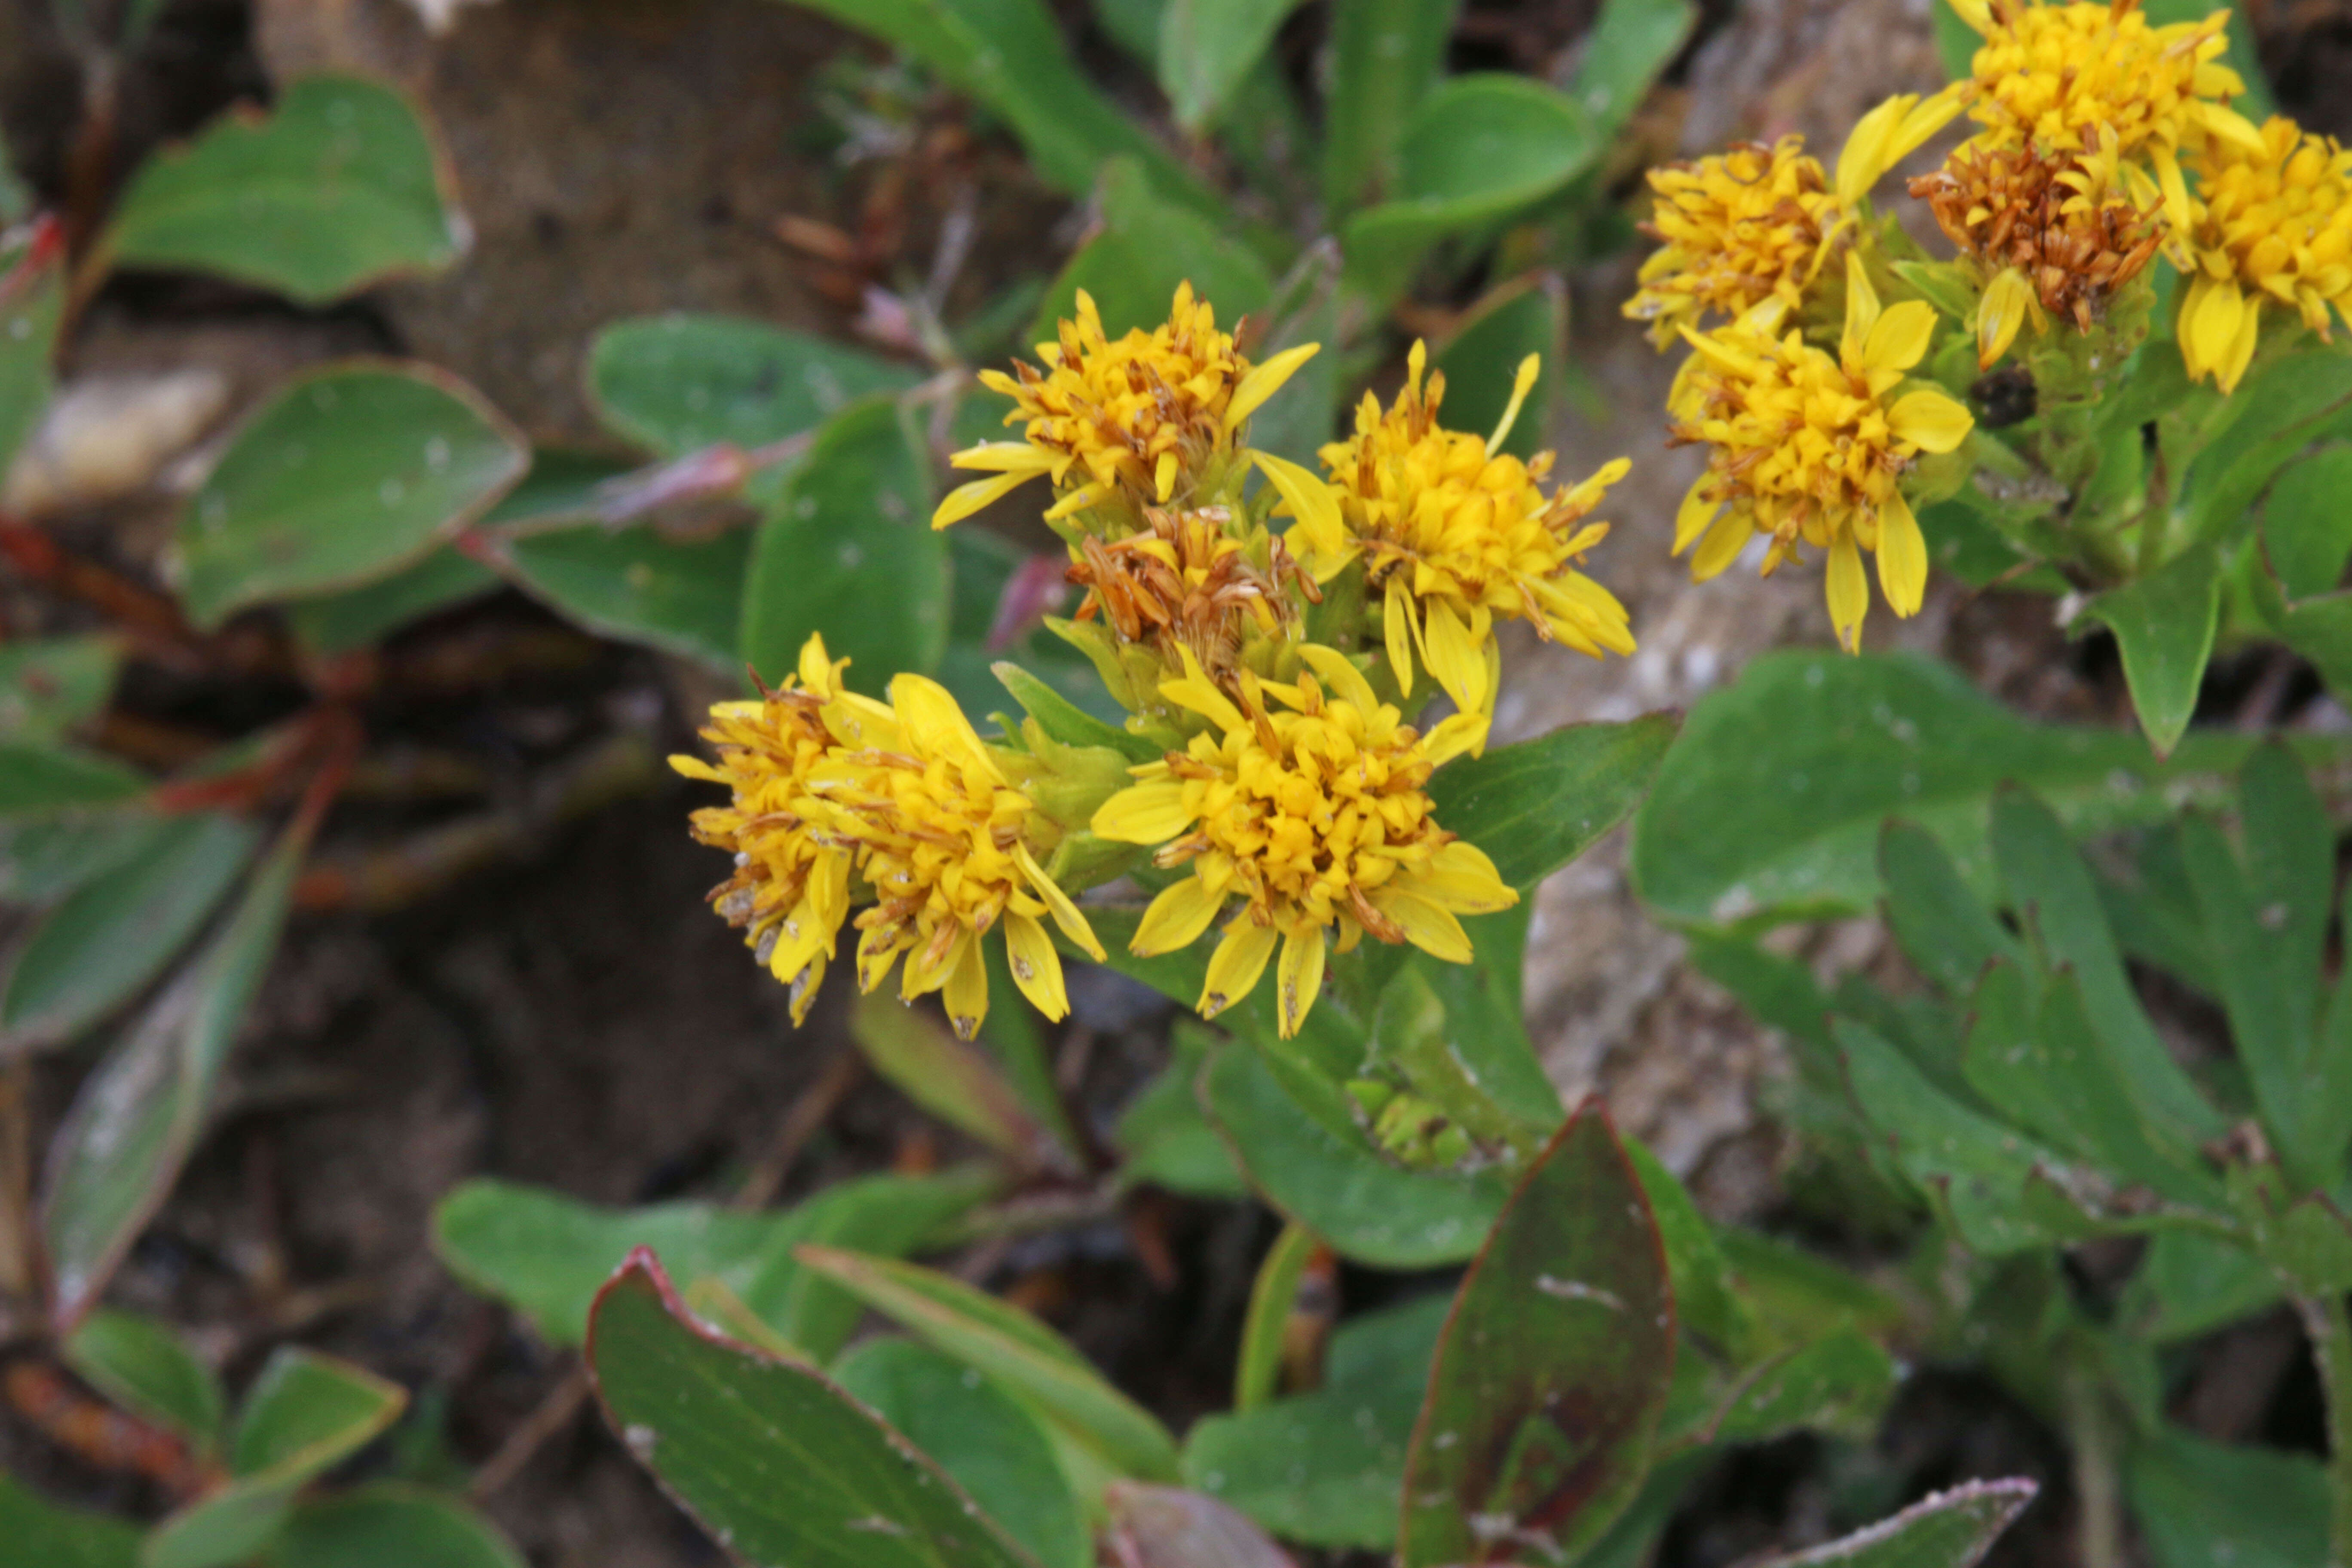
pixel 559 1007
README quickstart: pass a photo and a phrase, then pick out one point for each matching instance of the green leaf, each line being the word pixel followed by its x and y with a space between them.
pixel 1952 1528
pixel 1840 1383
pixel 1326 1469
pixel 956 1082
pixel 1630 43
pixel 338 187
pixel 639 586
pixel 1065 720
pixel 346 474
pixel 2164 627
pixel 770 1457
pixel 1695 1266
pixel 1165 1139
pixel 306 1413
pixel 1386 55
pixel 41 862
pixel 145 1367
pixel 2270 421
pixel 362 617
pixel 1553 1369
pixel 848 550
pixel 116 932
pixel 1206 46
pixel 1294 1133
pixel 1026 1358
pixel 391 1526
pixel 49 685
pixel 1479 148
pixel 1273 1293
pixel 40 1532
pixel 1009 55
pixel 1943 927
pixel 41 781
pixel 547 1254
pixel 2189 1284
pixel 1537 806
pixel 140 1112
pixel 1145 247
pixel 2052 890
pixel 2306 530
pixel 1481 361
pixel 678 384
pixel 2200 1504
pixel 32 306
pixel 986 1443
pixel 1822 747
pixel 1489 1036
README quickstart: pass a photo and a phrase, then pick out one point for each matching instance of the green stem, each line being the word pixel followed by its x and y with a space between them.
pixel 2326 1320
pixel 2098 1493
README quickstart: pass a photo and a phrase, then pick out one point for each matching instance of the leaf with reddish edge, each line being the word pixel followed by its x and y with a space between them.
pixel 772 1459
pixel 1943 1530
pixel 1553 1369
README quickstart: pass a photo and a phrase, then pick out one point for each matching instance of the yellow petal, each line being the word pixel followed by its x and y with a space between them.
pixel 1698 511
pixel 1930 420
pixel 1263 382
pixel 805 989
pixel 1176 918
pixel 1849 592
pixel 937 725
pixel 1428 928
pixel 2000 312
pixel 1057 903
pixel 696 768
pixel 1724 542
pixel 1036 967
pixel 2240 351
pixel 2229 126
pixel 1299 979
pixel 966 991
pixel 1004 458
pixel 1866 156
pixel 1460 877
pixel 1899 340
pixel 816 670
pixel 1456 733
pixel 1396 625
pixel 965 499
pixel 1197 692
pixel 1934 112
pixel 1235 967
pixel 1311 500
pixel 1902 556
pixel 1459 664
pixel 1977 14
pixel 1340 674
pixel 1529 368
pixel 1861 307
pixel 1150 813
pixel 2209 333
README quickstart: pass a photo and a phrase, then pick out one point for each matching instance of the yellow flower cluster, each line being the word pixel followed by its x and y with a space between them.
pixel 1310 811
pixel 1127 421
pixel 837 799
pixel 1809 449
pixel 1456 535
pixel 2272 227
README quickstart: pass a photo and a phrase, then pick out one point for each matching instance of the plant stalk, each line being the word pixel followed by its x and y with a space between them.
pixel 2329 1324
pixel 2098 1493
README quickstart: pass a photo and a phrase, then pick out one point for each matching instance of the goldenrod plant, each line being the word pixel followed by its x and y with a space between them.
pixel 2103 391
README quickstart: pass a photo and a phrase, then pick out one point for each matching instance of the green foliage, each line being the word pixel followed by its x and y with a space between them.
pixel 1539 804
pixel 1949 1530
pixel 144 1366
pixel 32 304
pixel 338 187
pixel 55 1537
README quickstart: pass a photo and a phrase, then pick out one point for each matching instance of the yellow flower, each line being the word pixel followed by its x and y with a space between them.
pixel 1186 579
pixel 2053 76
pixel 1809 449
pixel 1313 814
pixel 1758 222
pixel 939 834
pixel 1138 418
pixel 2273 228
pixel 789 891
pixel 1456 535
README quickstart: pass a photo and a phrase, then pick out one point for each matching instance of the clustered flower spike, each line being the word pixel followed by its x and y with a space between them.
pixel 2268 227
pixel 1810 448
pixel 1120 423
pixel 904 797
pixel 1304 807
pixel 1456 535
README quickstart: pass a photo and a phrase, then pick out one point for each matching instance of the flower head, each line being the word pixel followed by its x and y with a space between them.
pixel 2059 77
pixel 939 837
pixel 2273 228
pixel 1735 229
pixel 2058 234
pixel 1305 807
pixel 1134 419
pixel 1187 581
pixel 1456 535
pixel 1810 448
pixel 789 891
